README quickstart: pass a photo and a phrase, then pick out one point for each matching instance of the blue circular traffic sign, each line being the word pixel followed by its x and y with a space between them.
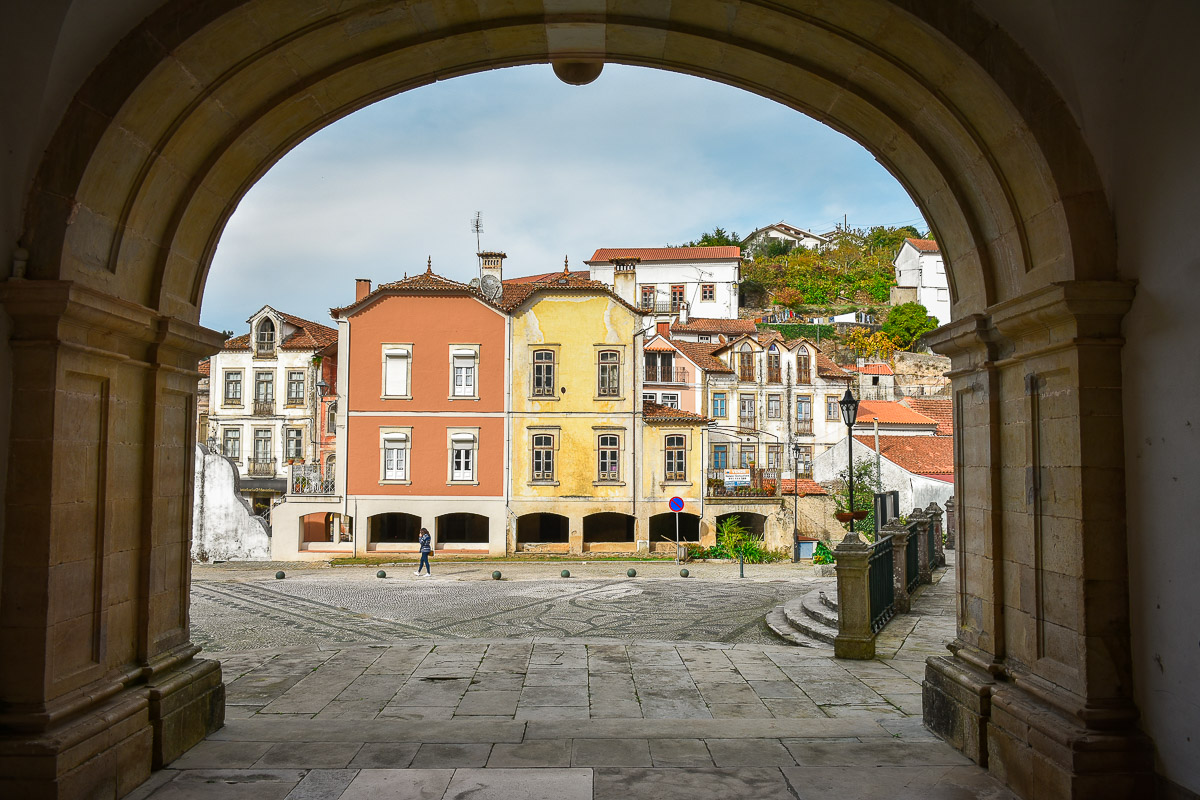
pixel 676 504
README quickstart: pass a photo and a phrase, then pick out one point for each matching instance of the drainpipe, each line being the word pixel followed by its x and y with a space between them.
pixel 635 428
pixel 878 468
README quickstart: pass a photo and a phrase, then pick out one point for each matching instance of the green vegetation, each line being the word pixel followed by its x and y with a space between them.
pixel 866 484
pixel 718 237
pixel 907 323
pixel 822 554
pixel 791 330
pixel 735 541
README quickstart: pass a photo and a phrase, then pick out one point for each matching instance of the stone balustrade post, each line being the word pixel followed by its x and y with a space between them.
pixel 900 532
pixel 951 523
pixel 854 638
pixel 935 530
pixel 924 568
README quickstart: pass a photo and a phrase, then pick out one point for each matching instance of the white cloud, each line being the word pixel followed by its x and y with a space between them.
pixel 640 158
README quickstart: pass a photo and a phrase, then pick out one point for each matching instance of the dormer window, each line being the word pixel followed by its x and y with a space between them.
pixel 264 338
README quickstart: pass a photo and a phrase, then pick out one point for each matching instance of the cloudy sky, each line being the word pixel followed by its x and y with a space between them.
pixel 640 158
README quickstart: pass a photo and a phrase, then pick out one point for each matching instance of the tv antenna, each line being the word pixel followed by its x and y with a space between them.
pixel 477 226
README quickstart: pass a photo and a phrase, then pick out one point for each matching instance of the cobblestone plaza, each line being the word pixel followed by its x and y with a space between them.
pixel 343 685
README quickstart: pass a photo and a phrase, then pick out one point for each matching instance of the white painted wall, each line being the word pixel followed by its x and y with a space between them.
pixel 723 274
pixel 926 272
pixel 916 491
pixel 223 529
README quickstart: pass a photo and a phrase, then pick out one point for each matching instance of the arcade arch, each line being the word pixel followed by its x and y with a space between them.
pixel 191 108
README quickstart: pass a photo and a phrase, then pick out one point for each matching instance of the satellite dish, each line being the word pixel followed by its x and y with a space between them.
pixel 491 287
pixel 474 284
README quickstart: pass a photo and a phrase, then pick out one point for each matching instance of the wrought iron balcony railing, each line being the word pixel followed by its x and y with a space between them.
pixel 261 467
pixel 264 408
pixel 311 479
pixel 763 483
pixel 666 375
pixel 804 426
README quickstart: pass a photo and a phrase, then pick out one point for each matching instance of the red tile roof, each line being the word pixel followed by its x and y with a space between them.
pixel 701 354
pixel 238 342
pixel 710 325
pixel 308 336
pixel 427 281
pixel 660 345
pixel 890 413
pixel 932 456
pixel 939 409
pixel 924 245
pixel 827 369
pixel 566 281
pixel 654 412
pixel 204 367
pixel 803 487
pixel 870 369
pixel 605 254
pixel 543 277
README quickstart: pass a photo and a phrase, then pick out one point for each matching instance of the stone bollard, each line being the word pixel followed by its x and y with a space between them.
pixel 900 533
pixel 854 638
pixel 951 523
pixel 935 530
pixel 924 568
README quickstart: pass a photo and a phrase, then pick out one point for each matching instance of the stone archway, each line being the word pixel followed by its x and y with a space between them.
pixel 197 103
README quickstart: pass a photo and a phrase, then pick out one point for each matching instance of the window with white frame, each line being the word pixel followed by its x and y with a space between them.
pixel 233 387
pixel 262 445
pixel 295 386
pixel 676 447
pixel 543 457
pixel 774 453
pixel 264 386
pixel 608 449
pixel 608 377
pixel 397 363
pixel 832 409
pixel 231 442
pixel 463 365
pixel 293 442
pixel 649 397
pixel 395 456
pixel 543 373
pixel 462 456
pixel 747 456
pixel 773 406
pixel 703 337
pixel 670 399
pixel 331 419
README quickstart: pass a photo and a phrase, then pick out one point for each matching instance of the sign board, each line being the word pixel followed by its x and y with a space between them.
pixel 676 504
pixel 737 477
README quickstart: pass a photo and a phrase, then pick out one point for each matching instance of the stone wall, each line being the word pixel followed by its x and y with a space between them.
pixel 223 527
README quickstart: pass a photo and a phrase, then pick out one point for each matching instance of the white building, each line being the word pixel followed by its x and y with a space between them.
pixel 921 278
pixel 264 399
pixel 781 231
pixel 697 281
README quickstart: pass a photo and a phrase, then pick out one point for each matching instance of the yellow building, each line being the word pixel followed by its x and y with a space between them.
pixel 586 474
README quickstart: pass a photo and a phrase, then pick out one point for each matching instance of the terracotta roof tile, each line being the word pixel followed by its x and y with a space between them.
pixel 939 409
pixel 805 488
pixel 605 254
pixel 924 245
pixel 543 277
pixel 701 354
pixel 204 367
pixel 890 413
pixel 311 336
pixel 660 345
pixel 654 412
pixel 827 369
pixel 238 342
pixel 932 456
pixel 710 325
pixel 516 293
pixel 427 281
pixel 870 369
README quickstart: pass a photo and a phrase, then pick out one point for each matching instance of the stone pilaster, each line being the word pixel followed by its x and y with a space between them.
pixel 854 638
pixel 951 520
pixel 920 520
pixel 900 534
pixel 103 683
pixel 935 530
pixel 1039 686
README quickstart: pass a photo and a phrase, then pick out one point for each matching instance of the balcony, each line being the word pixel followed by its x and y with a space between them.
pixel 747 423
pixel 264 408
pixel 666 375
pixel 804 427
pixel 310 479
pixel 803 376
pixel 774 375
pixel 764 485
pixel 260 467
pixel 264 345
pixel 747 373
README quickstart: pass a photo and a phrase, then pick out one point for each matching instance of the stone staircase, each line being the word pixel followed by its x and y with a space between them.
pixel 807 621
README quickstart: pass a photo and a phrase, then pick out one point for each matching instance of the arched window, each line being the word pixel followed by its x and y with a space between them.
pixel 745 363
pixel 264 340
pixel 774 373
pixel 543 373
pixel 803 368
pixel 608 448
pixel 543 457
pixel 608 378
pixel 676 463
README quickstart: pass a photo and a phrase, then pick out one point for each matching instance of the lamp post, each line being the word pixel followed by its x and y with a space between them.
pixel 795 494
pixel 849 406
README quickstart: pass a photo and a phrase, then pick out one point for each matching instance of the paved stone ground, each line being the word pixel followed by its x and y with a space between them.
pixel 515 716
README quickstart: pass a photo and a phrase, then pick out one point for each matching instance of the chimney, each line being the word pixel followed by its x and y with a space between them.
pixel 362 288
pixel 625 279
pixel 683 313
pixel 491 263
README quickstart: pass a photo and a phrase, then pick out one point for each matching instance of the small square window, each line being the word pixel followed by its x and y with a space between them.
pixel 708 292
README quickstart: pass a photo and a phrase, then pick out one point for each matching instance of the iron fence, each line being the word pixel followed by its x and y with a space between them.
pixel 763 483
pixel 311 479
pixel 881 583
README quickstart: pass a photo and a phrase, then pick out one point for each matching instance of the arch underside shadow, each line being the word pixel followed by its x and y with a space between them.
pixel 195 105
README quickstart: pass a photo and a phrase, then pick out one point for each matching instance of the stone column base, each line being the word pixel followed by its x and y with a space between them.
pixel 186 705
pixel 1034 748
pixel 856 647
pixel 956 704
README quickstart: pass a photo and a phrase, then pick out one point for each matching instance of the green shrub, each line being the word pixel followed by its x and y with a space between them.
pixel 822 554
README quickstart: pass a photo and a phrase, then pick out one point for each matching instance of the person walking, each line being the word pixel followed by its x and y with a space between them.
pixel 426 543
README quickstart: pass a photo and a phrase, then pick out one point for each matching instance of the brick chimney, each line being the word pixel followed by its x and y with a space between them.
pixel 362 288
pixel 625 279
pixel 492 263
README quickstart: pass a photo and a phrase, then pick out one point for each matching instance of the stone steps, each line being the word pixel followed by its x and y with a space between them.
pixel 807 621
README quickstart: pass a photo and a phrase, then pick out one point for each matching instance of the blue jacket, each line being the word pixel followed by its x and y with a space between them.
pixel 426 546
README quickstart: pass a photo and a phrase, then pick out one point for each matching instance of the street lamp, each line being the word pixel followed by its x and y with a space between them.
pixel 849 407
pixel 795 496
pixel 322 388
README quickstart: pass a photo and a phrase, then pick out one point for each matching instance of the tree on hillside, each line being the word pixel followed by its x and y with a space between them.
pixel 907 323
pixel 718 237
